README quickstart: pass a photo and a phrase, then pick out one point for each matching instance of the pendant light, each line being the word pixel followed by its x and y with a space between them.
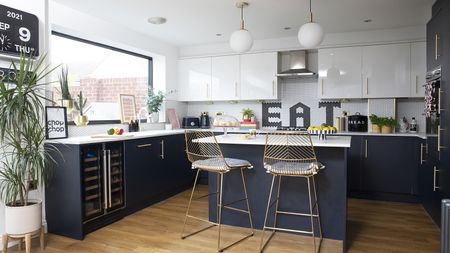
pixel 241 40
pixel 310 34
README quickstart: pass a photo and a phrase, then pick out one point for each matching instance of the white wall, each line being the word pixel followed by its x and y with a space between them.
pixel 40 9
pixel 73 22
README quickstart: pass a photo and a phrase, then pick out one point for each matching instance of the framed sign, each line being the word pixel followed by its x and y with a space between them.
pixel 19 32
pixel 127 108
pixel 56 122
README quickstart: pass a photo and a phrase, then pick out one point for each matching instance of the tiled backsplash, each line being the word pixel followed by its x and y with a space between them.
pixel 304 90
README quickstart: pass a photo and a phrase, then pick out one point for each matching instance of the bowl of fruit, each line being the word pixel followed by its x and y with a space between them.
pixel 322 131
pixel 113 133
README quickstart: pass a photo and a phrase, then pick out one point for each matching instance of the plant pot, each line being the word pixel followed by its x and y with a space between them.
pixel 376 129
pixel 246 117
pixel 21 220
pixel 154 117
pixel 386 129
pixel 81 120
pixel 68 103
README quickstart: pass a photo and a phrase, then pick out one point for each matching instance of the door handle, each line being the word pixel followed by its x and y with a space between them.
pixel 435 171
pixel 436 46
pixel 367 85
pixel 421 152
pixel 273 88
pixel 162 150
pixel 366 153
pixel 207 90
pixel 439 138
pixel 105 180
pixel 109 176
pixel 144 145
pixel 417 84
pixel 440 100
pixel 321 87
pixel 236 89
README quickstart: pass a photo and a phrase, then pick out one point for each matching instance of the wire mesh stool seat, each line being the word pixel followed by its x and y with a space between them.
pixel 291 154
pixel 205 154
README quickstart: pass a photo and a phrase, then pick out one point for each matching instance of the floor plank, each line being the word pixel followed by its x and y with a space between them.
pixel 374 226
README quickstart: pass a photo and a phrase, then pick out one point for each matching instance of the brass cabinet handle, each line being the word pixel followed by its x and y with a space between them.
pixel 235 89
pixel 366 148
pixel 436 45
pixel 435 171
pixel 273 88
pixel 440 100
pixel 422 147
pixel 367 85
pixel 144 145
pixel 207 90
pixel 417 84
pixel 439 138
pixel 321 87
pixel 162 150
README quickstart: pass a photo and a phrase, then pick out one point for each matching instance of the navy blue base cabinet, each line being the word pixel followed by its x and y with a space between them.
pixel 384 168
pixel 97 184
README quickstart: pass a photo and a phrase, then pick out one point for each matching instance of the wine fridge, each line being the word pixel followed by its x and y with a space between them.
pixel 103 180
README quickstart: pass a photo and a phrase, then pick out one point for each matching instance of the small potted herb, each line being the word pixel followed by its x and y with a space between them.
pixel 66 98
pixel 376 123
pixel 247 114
pixel 388 124
pixel 154 102
pixel 80 105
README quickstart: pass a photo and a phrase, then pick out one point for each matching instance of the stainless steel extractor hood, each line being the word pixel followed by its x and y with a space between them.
pixel 293 64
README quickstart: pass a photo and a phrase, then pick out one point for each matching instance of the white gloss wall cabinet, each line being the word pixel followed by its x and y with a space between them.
pixel 225 73
pixel 418 69
pixel 258 76
pixel 194 79
pixel 386 71
pixel 340 73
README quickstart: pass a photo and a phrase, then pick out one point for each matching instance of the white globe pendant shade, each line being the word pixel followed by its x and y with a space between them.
pixel 241 41
pixel 310 35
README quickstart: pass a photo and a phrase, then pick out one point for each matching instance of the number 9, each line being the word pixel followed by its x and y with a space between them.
pixel 25 34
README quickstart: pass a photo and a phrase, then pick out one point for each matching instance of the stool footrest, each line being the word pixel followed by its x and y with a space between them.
pixel 207 195
pixel 235 209
pixel 298 214
pixel 290 230
pixel 233 202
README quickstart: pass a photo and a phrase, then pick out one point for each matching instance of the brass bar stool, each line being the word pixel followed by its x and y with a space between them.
pixel 205 154
pixel 291 154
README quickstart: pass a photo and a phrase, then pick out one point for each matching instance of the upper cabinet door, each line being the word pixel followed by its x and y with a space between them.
pixel 340 73
pixel 436 40
pixel 194 79
pixel 258 76
pixel 418 69
pixel 225 78
pixel 386 71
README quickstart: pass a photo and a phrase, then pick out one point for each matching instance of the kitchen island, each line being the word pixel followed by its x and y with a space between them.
pixel 331 183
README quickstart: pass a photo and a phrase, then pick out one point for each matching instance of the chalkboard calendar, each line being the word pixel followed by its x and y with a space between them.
pixel 19 32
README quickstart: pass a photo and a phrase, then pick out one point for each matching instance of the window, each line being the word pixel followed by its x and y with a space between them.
pixel 102 73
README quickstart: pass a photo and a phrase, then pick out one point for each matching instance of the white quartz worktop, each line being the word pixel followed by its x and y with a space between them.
pixel 331 141
pixel 127 136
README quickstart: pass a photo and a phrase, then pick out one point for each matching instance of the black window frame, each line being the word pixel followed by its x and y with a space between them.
pixel 150 68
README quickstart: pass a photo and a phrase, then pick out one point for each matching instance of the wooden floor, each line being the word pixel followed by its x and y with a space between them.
pixel 376 227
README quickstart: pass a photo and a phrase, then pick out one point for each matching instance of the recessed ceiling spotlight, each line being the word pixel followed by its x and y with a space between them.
pixel 218 34
pixel 367 20
pixel 157 20
pixel 287 28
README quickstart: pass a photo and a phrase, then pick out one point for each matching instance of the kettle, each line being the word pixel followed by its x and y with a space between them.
pixel 204 120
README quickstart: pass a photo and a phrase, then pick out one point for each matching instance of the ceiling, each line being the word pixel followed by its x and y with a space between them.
pixel 192 22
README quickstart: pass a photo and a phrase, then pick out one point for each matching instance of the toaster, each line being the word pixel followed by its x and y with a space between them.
pixel 190 122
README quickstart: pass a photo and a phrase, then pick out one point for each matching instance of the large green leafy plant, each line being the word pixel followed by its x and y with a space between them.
pixel 154 100
pixel 22 132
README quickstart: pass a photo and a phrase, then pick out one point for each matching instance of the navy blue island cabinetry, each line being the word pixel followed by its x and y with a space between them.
pixel 96 182
pixel 331 187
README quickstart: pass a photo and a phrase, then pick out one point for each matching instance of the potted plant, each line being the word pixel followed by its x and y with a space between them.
pixel 66 98
pixel 154 101
pixel 80 105
pixel 24 159
pixel 247 114
pixel 376 123
pixel 388 124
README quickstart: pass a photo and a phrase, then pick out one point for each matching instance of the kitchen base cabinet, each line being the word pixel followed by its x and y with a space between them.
pixel 156 168
pixel 386 169
pixel 86 189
